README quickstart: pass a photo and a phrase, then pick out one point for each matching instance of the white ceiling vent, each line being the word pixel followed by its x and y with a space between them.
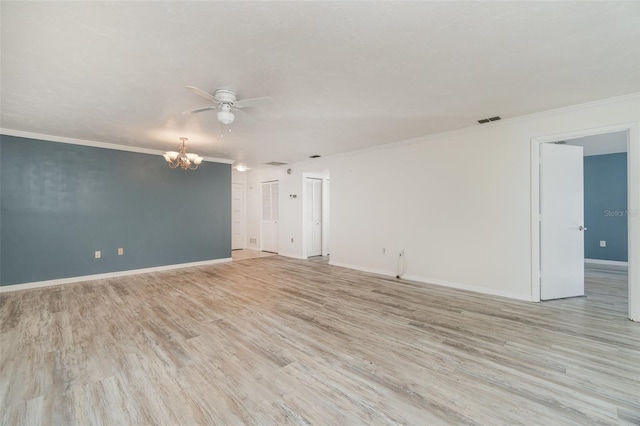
pixel 275 163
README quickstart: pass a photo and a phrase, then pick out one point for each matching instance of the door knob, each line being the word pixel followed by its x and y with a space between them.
pixel 582 228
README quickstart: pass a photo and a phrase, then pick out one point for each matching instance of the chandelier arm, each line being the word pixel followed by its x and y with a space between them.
pixel 182 159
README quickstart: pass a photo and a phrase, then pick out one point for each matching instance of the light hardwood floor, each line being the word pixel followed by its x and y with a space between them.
pixel 244 254
pixel 281 341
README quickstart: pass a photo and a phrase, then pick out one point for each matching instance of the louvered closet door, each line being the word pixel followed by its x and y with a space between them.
pixel 237 216
pixel 270 207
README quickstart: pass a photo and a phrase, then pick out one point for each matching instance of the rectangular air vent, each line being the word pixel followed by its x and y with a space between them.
pixel 275 163
pixel 486 120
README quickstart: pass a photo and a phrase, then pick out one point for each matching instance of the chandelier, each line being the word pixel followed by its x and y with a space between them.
pixel 186 161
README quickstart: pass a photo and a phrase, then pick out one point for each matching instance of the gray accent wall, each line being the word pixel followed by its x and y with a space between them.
pixel 605 207
pixel 59 203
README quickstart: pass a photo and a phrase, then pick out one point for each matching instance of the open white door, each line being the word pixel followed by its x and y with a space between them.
pixel 561 221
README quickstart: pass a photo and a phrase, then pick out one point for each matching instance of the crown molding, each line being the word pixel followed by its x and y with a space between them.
pixel 464 130
pixel 96 144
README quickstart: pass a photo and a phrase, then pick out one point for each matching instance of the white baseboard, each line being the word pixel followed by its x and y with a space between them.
pixel 363 269
pixel 292 255
pixel 459 286
pixel 606 262
pixel 60 281
pixel 467 287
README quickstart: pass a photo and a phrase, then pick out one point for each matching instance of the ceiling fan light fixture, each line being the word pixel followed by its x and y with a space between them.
pixel 225 116
pixel 226 102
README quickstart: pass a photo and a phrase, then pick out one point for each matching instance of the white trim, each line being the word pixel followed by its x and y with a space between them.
pixel 443 283
pixel 362 269
pixel 96 144
pixel 474 127
pixel 467 287
pixel 292 255
pixel 60 281
pixel 606 262
pixel 633 204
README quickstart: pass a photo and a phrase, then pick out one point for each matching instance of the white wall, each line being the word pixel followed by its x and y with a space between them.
pixel 459 203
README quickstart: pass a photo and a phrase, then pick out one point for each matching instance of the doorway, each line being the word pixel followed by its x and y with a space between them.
pixel 270 215
pixel 540 255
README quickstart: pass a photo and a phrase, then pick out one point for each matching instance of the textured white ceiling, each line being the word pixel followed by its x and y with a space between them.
pixel 345 75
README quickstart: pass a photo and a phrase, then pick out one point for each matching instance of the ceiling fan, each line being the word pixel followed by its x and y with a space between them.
pixel 226 102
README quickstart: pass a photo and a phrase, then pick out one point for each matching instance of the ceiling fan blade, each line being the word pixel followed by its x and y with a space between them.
pixel 202 93
pixel 194 111
pixel 244 116
pixel 266 101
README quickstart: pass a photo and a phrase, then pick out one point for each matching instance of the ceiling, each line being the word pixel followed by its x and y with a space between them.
pixel 344 75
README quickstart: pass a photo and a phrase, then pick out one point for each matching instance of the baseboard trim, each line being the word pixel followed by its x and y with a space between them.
pixel 606 262
pixel 60 281
pixel 467 287
pixel 443 283
pixel 294 256
pixel 362 269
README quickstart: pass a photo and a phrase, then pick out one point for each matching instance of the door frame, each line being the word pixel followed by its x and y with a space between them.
pixel 633 206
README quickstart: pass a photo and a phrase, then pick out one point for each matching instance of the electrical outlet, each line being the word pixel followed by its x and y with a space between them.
pixel 120 251
pixel 98 254
pixel 603 243
pixel 291 239
pixel 384 250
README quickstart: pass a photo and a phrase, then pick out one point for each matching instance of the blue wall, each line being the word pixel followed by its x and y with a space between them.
pixel 605 206
pixel 59 203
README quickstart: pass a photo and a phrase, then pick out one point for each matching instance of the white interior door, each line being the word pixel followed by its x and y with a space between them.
pixel 237 216
pixel 270 213
pixel 561 221
pixel 314 218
